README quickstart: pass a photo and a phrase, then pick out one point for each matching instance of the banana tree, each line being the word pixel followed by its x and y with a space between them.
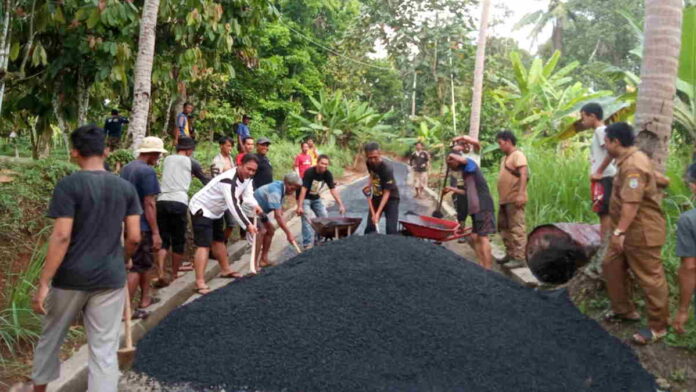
pixel 542 98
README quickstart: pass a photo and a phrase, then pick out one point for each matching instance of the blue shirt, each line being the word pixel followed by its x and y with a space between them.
pixel 144 179
pixel 270 196
pixel 243 130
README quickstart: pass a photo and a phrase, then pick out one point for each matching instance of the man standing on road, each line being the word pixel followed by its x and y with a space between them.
pixel 383 191
pixel 84 270
pixel 141 174
pixel 264 175
pixel 512 193
pixel 114 129
pixel 638 235
pixel 247 148
pixel 480 205
pixel 231 190
pixel 313 183
pixel 686 249
pixel 183 123
pixel 420 164
pixel 242 132
pixel 270 197
pixel 172 205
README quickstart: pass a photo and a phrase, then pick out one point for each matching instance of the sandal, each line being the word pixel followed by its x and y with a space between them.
pixel 231 275
pixel 646 336
pixel 141 314
pixel 612 317
pixel 202 290
pixel 153 300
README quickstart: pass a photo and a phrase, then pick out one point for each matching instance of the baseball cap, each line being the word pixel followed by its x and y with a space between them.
pixel 263 140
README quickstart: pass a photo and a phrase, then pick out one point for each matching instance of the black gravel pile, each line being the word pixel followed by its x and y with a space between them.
pixel 386 313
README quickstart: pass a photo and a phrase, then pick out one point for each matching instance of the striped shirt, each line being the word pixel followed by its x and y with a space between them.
pixel 225 192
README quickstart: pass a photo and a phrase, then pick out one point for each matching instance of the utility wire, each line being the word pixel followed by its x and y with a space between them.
pixel 332 51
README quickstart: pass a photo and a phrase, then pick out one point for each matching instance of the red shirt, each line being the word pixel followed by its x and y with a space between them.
pixel 303 162
pixel 240 156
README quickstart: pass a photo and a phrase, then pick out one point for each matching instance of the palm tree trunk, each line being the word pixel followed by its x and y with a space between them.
pixel 475 119
pixel 143 72
pixel 4 48
pixel 655 106
pixel 82 98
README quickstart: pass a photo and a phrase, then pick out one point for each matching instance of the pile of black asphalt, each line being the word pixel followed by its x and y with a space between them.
pixel 385 313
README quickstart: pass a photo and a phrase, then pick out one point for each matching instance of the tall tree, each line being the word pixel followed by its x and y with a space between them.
pixel 475 119
pixel 655 106
pixel 558 14
pixel 143 72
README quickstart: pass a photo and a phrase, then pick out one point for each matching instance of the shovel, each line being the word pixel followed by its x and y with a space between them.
pixel 438 212
pixel 127 353
pixel 297 247
pixel 252 257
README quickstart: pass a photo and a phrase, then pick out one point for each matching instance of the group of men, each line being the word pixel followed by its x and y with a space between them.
pixel 626 194
pixel 140 219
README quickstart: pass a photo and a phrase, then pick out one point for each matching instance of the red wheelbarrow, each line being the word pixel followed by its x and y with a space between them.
pixel 435 229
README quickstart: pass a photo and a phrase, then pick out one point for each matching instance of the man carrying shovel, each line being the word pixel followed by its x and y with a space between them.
pixel 383 191
pixel 84 270
pixel 313 183
pixel 270 197
pixel 228 191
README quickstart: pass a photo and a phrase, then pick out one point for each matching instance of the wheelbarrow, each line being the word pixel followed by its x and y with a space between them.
pixel 435 229
pixel 334 227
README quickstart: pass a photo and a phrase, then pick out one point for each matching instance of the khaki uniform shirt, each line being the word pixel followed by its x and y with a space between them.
pixel 508 183
pixel 635 183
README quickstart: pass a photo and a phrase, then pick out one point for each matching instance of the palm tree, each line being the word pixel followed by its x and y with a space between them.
pixel 558 14
pixel 655 106
pixel 143 72
pixel 475 118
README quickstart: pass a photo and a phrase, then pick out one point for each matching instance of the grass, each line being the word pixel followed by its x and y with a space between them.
pixel 559 191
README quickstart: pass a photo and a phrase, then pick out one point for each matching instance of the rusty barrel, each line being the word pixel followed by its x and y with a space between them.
pixel 556 251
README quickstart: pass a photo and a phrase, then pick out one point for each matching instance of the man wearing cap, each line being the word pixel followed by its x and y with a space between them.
pixel 270 197
pixel 264 175
pixel 231 190
pixel 242 131
pixel 140 173
pixel 172 205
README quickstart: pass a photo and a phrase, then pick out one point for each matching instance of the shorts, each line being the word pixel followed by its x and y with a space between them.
pixel 420 179
pixel 172 219
pixel 206 230
pixel 484 223
pixel 601 195
pixel 113 142
pixel 229 220
pixel 143 259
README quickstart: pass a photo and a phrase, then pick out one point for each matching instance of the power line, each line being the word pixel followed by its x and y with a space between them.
pixel 332 51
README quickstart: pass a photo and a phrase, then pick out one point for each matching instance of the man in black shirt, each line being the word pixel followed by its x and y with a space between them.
pixel 85 268
pixel 264 174
pixel 479 204
pixel 313 183
pixel 420 163
pixel 114 128
pixel 383 191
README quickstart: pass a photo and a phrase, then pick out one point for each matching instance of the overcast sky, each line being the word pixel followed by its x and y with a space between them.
pixel 518 9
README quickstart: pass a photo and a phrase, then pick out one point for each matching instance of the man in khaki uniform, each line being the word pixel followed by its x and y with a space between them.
pixel 512 194
pixel 638 235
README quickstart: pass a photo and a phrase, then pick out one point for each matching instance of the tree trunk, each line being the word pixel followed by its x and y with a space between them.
pixel 557 37
pixel 4 48
pixel 475 119
pixel 453 109
pixel 413 94
pixel 143 72
pixel 58 112
pixel 82 99
pixel 654 109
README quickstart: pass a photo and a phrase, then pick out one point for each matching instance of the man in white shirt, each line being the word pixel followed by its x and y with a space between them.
pixel 602 172
pixel 224 160
pixel 228 191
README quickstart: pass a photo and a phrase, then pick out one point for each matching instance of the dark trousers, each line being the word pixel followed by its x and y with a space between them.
pixel 391 213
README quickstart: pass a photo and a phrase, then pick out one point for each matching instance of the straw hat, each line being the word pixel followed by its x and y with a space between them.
pixel 151 144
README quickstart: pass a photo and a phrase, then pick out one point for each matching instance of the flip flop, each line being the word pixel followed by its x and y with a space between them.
pixel 647 336
pixel 612 317
pixel 202 290
pixel 141 314
pixel 231 275
pixel 153 300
